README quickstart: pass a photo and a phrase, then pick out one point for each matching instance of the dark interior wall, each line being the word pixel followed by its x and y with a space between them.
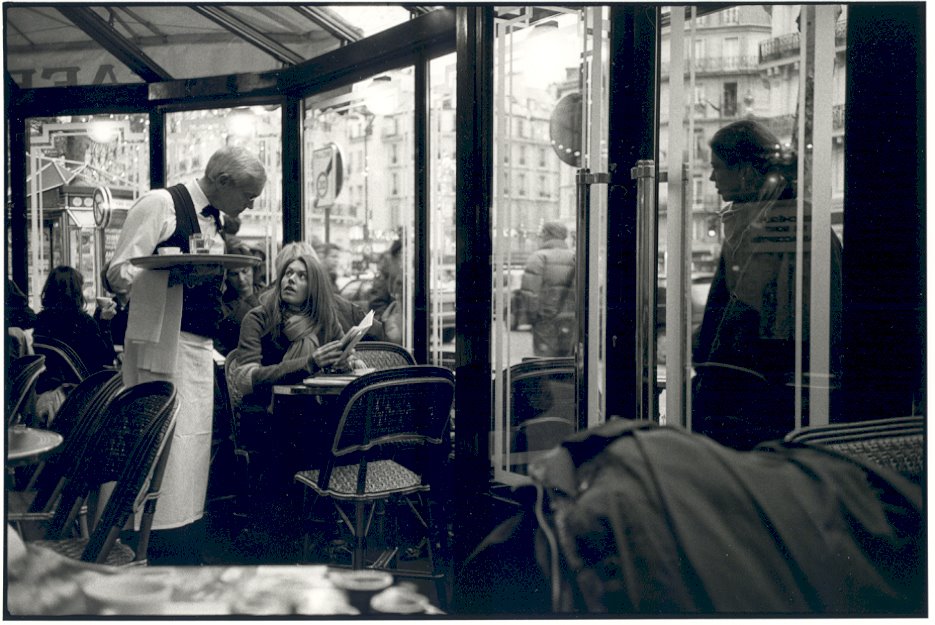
pixel 884 217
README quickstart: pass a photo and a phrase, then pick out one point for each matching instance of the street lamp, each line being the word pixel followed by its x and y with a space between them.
pixel 368 130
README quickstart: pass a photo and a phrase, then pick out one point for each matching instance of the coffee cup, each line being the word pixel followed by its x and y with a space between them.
pixel 361 586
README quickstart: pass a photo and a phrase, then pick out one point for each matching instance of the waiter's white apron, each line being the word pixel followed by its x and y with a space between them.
pixel 185 483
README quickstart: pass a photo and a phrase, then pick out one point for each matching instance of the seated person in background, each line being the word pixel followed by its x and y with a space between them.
pixel 259 272
pixel 63 317
pixel 295 332
pixel 389 279
pixel 240 295
pixel 330 255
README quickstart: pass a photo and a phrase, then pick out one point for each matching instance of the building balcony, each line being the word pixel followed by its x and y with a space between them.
pixel 786 46
pixel 720 64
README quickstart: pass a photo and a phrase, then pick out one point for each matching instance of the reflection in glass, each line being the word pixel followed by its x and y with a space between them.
pixel 442 141
pixel 541 97
pixel 359 198
pixel 747 64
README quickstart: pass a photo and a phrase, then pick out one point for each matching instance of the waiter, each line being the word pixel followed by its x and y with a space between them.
pixel 173 318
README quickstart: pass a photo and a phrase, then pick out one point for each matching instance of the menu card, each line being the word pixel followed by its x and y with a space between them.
pixel 352 336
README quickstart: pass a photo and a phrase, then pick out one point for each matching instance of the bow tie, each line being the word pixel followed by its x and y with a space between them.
pixel 213 213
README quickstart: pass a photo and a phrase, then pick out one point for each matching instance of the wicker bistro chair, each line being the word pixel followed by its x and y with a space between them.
pixel 131 450
pixel 403 405
pixel 380 355
pixel 542 403
pixel 21 378
pixel 242 453
pixel 78 421
pixel 897 444
pixel 62 364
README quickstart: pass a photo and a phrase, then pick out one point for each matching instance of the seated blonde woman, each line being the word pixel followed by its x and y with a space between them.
pixel 295 332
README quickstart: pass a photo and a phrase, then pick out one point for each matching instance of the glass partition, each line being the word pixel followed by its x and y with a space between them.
pixel 751 218
pixel 359 196
pixel 83 173
pixel 442 141
pixel 550 103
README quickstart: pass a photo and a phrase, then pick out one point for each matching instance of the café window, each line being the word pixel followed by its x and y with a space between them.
pixel 83 173
pixel 774 321
pixel 729 99
pixel 361 123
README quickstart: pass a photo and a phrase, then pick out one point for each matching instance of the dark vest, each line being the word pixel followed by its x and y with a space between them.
pixel 201 305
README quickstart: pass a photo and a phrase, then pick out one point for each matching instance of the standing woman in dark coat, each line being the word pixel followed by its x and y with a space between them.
pixel 63 317
pixel 744 355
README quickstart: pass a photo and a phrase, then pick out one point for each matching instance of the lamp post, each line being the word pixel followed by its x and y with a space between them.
pixel 368 130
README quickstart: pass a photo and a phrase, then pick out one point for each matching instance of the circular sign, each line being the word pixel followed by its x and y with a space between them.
pixel 102 206
pixel 565 129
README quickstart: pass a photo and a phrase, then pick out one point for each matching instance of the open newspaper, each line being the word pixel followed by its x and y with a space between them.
pixel 355 334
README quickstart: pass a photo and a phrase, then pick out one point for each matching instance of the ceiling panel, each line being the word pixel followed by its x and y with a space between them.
pixel 43 48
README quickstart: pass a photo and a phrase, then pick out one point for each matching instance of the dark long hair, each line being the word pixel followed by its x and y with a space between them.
pixel 64 289
pixel 319 306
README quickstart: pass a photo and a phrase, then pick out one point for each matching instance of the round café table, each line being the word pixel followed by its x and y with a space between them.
pixel 30 445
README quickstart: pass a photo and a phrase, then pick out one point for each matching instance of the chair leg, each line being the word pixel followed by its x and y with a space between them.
pixel 360 536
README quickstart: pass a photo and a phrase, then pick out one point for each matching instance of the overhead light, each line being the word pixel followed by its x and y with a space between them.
pixel 547 53
pixel 380 97
pixel 102 131
pixel 242 123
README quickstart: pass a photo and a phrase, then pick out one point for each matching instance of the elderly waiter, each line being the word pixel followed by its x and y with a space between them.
pixel 173 317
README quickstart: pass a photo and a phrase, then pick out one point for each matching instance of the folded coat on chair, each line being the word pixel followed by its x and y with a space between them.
pixel 633 518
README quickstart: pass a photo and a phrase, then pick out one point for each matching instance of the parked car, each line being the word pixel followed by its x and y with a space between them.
pixel 358 290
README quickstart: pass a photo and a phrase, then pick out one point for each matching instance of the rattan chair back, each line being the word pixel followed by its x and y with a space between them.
pixel 380 355
pixel 21 379
pixel 63 365
pixel 897 444
pixel 400 405
pixel 132 435
pixel 78 421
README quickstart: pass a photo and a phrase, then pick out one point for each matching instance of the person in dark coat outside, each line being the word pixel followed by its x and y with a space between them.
pixel 548 289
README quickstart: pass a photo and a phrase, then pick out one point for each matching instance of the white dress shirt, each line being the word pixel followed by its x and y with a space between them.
pixel 150 221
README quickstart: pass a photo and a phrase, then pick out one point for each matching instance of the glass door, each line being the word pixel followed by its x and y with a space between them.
pixel 750 218
pixel 550 109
